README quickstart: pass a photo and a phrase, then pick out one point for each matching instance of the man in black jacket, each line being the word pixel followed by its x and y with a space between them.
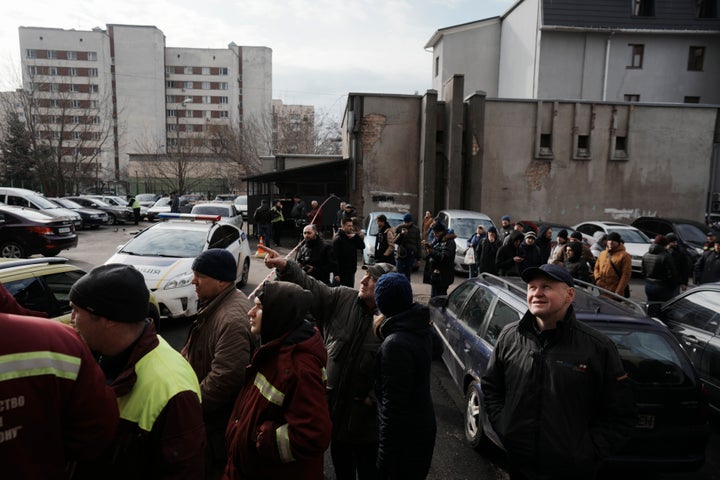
pixel 555 389
pixel 315 256
pixel 345 245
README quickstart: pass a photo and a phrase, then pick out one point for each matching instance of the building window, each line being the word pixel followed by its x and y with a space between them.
pixel 75 119
pixel 32 70
pixel 172 113
pixel 632 97
pixel 172 127
pixel 707 8
pixel 546 144
pixel 95 136
pixel 75 104
pixel 223 85
pixel 206 85
pixel 51 54
pixel 94 88
pixel 54 103
pixel 695 59
pixel 437 66
pixel 223 99
pixel 188 113
pixel 93 104
pixel 56 135
pixel 92 56
pixel 636 55
pixel 691 99
pixel 72 55
pixel 72 71
pixel 96 120
pixel 30 53
pixel 619 148
pixel 73 88
pixel 223 71
pixel 92 72
pixel 170 99
pixel 643 8
pixel 188 84
pixel 206 99
pixel 223 114
pixel 188 70
pixel 206 70
pixel 52 71
pixel 54 87
pixel 583 146
pixel 76 135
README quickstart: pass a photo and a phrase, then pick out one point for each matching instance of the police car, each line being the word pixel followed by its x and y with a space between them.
pixel 165 251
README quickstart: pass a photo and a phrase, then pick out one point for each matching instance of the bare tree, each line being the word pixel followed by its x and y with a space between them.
pixel 328 135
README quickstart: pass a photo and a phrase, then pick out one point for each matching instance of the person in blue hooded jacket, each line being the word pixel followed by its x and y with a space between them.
pixel 406 417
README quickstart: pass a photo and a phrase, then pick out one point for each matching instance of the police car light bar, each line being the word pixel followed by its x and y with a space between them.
pixel 189 216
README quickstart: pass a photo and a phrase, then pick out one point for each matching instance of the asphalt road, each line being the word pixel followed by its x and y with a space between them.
pixel 452 459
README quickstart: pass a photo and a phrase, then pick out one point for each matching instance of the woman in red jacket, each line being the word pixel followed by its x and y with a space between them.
pixel 280 426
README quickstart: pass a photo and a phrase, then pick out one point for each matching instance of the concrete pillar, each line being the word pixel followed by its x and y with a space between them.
pixel 474 151
pixel 427 198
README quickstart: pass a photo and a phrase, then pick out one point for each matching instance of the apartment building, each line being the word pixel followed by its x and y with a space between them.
pixel 135 97
pixel 293 128
pixel 652 51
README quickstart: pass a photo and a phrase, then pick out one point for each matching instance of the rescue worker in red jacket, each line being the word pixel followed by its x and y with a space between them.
pixel 54 406
pixel 280 426
pixel 161 433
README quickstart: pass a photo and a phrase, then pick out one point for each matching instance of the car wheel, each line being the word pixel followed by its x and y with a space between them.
pixel 111 220
pixel 474 433
pixel 245 273
pixel 12 250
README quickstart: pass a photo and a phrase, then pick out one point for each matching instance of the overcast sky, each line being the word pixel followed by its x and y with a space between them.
pixel 321 49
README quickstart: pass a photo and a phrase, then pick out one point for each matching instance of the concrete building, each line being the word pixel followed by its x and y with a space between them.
pixel 148 98
pixel 555 160
pixel 614 50
pixel 293 128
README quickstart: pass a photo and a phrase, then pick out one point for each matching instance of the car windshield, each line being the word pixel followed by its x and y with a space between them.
pixel 68 203
pixel 691 233
pixel 161 242
pixel 145 197
pixel 373 229
pixel 100 203
pixel 648 356
pixel 43 202
pixel 163 202
pixel 630 235
pixel 211 210
pixel 465 227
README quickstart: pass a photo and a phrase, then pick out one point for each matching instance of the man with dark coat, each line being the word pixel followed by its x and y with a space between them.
pixel 487 252
pixel 658 268
pixel 529 252
pixel 440 266
pixel 263 219
pixel 508 255
pixel 345 318
pixel 384 241
pixel 555 390
pixel 219 346
pixel 681 260
pixel 707 267
pixel 345 246
pixel 402 381
pixel 407 245
pixel 316 256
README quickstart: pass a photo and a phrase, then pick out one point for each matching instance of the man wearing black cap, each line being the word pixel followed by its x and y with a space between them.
pixel 345 318
pixel 407 245
pixel 555 390
pixel 161 432
pixel 613 267
pixel 219 346
pixel 440 264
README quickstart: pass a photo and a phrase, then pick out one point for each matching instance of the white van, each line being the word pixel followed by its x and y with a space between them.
pixel 22 197
pixel 464 223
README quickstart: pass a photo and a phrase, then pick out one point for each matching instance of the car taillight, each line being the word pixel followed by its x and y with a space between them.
pixel 42 230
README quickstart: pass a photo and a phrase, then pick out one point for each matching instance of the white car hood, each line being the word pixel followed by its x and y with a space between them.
pixel 156 270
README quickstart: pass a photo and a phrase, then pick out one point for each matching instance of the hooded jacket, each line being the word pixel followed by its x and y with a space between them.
pixel 576 265
pixel 402 382
pixel 280 426
pixel 442 257
pixel 658 267
pixel 560 400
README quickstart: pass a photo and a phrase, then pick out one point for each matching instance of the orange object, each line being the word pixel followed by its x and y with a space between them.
pixel 261 252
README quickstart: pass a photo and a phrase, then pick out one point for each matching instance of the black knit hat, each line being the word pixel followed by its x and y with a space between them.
pixel 217 263
pixel 113 291
pixel 393 294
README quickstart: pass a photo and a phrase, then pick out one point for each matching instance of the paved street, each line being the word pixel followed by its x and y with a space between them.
pixel 452 458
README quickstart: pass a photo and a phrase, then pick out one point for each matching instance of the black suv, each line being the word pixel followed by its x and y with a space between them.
pixel 672 425
pixel 691 235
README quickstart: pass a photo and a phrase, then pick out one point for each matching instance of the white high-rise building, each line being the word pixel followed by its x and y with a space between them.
pixel 134 95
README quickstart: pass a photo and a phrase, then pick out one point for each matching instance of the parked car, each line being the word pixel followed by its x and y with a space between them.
pixel 241 204
pixel 91 217
pixel 225 197
pixel 118 201
pixel 164 253
pixel 636 242
pixel 161 206
pixel 227 212
pixel 370 228
pixel 21 197
pixel 26 231
pixel 464 223
pixel 694 318
pixel 116 213
pixel 691 235
pixel 672 426
pixel 147 200
pixel 189 199
pixel 43 284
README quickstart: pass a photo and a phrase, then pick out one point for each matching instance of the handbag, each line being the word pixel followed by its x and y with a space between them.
pixel 470 256
pixel 626 293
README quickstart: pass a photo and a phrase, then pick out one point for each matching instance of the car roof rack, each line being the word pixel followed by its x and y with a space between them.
pixel 32 261
pixel 596 291
pixel 503 282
